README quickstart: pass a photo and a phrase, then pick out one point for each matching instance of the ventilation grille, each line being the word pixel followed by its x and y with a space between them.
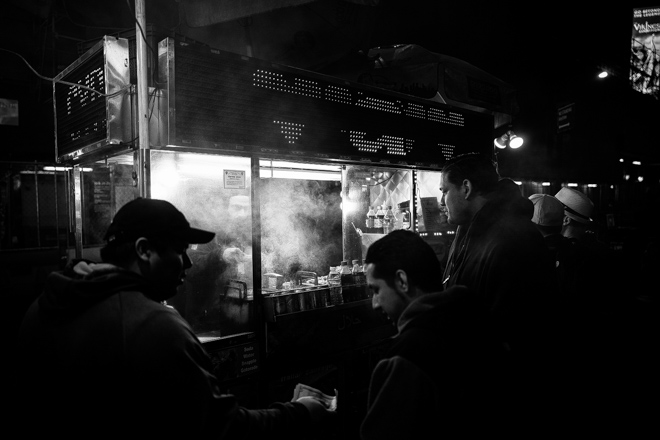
pixel 221 100
pixel 97 113
pixel 80 113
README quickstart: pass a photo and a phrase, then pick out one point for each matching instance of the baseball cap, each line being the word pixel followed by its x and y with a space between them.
pixel 153 218
pixel 577 206
pixel 548 211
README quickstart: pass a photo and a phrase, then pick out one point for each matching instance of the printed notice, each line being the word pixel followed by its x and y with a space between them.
pixel 234 179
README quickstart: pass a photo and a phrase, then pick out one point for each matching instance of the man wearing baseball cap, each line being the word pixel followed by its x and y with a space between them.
pixel 102 356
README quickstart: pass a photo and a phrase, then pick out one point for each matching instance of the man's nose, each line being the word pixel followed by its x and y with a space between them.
pixel 187 262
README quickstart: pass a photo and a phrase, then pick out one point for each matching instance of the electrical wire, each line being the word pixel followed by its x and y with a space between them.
pixel 52 80
pixel 137 22
pixel 386 180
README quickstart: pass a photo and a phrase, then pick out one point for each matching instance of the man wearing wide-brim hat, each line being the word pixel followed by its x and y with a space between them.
pixel 590 289
pixel 578 210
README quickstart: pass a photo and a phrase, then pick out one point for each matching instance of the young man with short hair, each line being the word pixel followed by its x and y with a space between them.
pixel 441 377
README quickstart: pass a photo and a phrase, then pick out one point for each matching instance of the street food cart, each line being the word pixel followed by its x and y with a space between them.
pixel 308 154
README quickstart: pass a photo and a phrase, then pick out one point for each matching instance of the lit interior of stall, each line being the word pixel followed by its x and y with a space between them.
pixel 301 214
pixel 213 192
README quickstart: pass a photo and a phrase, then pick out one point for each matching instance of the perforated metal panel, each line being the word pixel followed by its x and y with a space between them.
pixel 98 114
pixel 222 101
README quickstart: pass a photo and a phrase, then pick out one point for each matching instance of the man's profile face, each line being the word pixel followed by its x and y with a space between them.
pixel 453 201
pixel 167 265
pixel 385 297
pixel 239 207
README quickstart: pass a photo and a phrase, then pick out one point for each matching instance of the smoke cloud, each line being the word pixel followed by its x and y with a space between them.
pixel 301 226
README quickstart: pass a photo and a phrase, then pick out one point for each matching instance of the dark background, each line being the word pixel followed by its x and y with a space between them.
pixel 549 52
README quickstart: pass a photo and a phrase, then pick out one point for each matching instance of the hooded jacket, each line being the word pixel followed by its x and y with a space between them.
pixel 442 375
pixel 501 255
pixel 101 358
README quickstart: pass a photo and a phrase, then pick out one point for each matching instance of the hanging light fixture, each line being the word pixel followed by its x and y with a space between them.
pixel 515 141
pixel 500 142
pixel 509 139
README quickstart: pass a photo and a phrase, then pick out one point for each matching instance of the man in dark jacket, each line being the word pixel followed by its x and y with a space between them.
pixel 497 252
pixel 441 377
pixel 500 254
pixel 102 356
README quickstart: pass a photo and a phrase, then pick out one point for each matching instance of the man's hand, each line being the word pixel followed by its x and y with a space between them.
pixel 303 390
pixel 317 410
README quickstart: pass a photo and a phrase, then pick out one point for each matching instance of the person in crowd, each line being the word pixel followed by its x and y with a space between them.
pixel 206 299
pixel 548 217
pixel 589 258
pixel 236 238
pixel 570 335
pixel 593 283
pixel 102 356
pixel 499 254
pixel 577 213
pixel 497 250
pixel 440 375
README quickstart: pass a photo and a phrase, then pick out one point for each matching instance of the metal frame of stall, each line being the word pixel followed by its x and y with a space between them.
pixel 257 109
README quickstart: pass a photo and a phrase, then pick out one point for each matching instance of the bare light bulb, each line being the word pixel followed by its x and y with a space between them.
pixel 516 141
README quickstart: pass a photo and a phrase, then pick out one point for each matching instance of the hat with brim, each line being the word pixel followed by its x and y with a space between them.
pixel 153 218
pixel 548 211
pixel 577 206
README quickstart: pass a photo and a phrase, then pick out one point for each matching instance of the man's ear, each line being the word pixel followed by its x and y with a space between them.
pixel 142 249
pixel 401 283
pixel 566 220
pixel 467 188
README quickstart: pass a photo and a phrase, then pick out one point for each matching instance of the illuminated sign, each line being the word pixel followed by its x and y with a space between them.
pixel 645 51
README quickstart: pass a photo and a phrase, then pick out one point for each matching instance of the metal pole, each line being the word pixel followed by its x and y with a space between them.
pixel 143 98
pixel 10 178
pixel 70 208
pixel 36 203
pixel 57 213
pixel 78 195
pixel 412 206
